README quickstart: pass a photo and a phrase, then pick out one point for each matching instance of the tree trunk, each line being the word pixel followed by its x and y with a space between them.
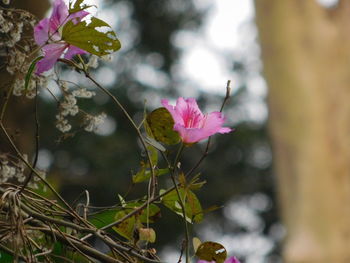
pixel 306 56
pixel 19 117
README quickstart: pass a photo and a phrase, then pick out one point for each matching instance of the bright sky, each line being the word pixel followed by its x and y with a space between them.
pixel 208 55
pixel 207 58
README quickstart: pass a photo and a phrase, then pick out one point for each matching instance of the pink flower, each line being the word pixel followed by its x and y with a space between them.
pixel 229 260
pixel 47 34
pixel 191 124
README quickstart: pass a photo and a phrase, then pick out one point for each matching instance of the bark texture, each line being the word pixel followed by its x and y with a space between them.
pixel 19 117
pixel 306 56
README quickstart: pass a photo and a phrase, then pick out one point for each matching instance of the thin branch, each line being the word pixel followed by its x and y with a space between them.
pixel 116 101
pixel 36 173
pixel 37 126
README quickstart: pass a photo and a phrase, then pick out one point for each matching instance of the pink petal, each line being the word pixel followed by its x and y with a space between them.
pixel 225 130
pixel 41 32
pixel 52 52
pixel 72 51
pixel 59 15
pixel 190 135
pixel 176 117
pixel 189 111
pixel 190 122
pixel 213 124
pixel 232 260
pixel 78 16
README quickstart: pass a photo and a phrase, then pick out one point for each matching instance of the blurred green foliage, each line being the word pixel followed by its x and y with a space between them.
pixel 104 165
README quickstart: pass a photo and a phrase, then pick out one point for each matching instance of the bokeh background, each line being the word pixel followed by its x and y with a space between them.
pixel 190 49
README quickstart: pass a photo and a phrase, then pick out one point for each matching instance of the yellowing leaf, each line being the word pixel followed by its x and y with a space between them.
pixel 90 37
pixel 211 251
pixel 78 6
pixel 147 234
pixel 196 243
pixel 193 208
pixel 125 228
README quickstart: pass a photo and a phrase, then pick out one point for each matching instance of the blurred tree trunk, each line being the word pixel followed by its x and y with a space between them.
pixel 19 117
pixel 306 56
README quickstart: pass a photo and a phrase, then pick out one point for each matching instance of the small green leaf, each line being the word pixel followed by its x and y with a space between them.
pixel 193 208
pixel 153 152
pixel 195 184
pixel 153 214
pixel 142 175
pixel 193 204
pixel 147 234
pixel 182 180
pixel 89 38
pixel 153 211
pixel 5 257
pixel 103 218
pixel 196 243
pixel 77 6
pixel 211 251
pixel 125 228
pixel 145 173
pixel 154 143
pixel 161 125
pixel 30 72
pixel 211 209
pixel 122 201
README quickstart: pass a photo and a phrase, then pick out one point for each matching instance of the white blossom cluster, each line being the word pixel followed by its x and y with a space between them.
pixel 10 169
pixel 94 60
pixel 30 92
pixel 13 25
pixel 93 122
pixel 69 107
pixel 6 2
pixel 14 170
pixel 83 93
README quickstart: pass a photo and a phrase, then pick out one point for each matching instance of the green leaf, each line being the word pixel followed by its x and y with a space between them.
pixel 77 6
pixel 153 211
pixel 193 205
pixel 30 72
pixel 153 214
pixel 144 174
pixel 125 228
pixel 196 243
pixel 89 38
pixel 122 201
pixel 103 218
pixel 5 257
pixel 211 251
pixel 60 254
pixel 161 124
pixel 195 184
pixel 193 208
pixel 153 152
pixel 154 143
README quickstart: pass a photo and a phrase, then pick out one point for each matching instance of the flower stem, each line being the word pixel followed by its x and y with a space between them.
pixel 182 201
